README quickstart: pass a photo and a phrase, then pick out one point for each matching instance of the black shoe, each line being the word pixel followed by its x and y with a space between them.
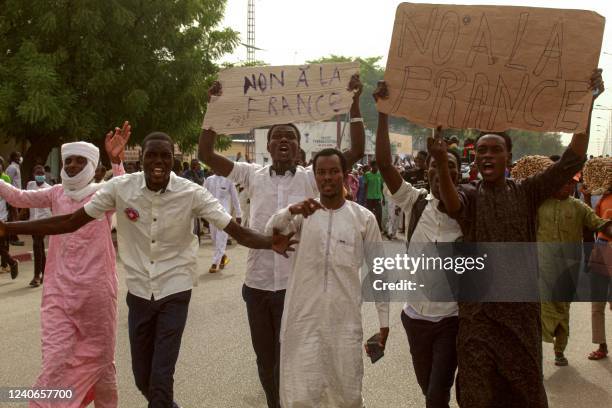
pixel 14 270
pixel 17 243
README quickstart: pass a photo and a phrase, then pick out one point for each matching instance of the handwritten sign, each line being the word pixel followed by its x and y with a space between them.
pixel 491 67
pixel 261 96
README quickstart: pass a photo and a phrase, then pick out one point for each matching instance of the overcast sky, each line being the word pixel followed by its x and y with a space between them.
pixel 294 31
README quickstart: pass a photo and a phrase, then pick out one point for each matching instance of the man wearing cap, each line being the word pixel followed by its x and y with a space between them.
pixel 79 303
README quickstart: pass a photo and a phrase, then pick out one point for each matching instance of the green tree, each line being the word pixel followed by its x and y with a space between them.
pixel 72 70
pixel 370 73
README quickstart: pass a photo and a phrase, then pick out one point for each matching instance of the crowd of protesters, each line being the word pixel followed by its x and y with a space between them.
pixel 304 312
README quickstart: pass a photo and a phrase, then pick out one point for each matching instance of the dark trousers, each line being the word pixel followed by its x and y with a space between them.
pixel 40 258
pixel 13 215
pixel 434 357
pixel 155 329
pixel 376 207
pixel 265 310
pixel 5 257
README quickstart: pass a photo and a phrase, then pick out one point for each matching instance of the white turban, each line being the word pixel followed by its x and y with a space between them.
pixel 84 149
pixel 80 186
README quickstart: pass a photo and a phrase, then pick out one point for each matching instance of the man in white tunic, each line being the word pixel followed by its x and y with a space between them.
pixel 224 191
pixel 321 362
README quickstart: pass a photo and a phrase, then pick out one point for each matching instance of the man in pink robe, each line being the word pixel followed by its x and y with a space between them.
pixel 79 302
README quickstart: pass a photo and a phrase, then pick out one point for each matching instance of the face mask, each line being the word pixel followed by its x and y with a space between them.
pixel 39 179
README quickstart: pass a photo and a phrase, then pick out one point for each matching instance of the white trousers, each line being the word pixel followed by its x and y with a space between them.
pixel 219 239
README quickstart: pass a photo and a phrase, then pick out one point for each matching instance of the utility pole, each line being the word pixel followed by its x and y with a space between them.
pixel 251 32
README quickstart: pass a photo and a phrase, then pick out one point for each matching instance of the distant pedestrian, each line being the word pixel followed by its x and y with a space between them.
pixel 374 192
pixel 14 172
pixel 223 190
pixel 38 241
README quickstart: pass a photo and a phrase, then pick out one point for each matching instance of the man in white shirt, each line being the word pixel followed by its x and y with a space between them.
pixel 321 363
pixel 431 327
pixel 224 191
pixel 269 189
pixel 155 209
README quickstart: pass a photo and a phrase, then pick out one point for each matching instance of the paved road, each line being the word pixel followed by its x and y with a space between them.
pixel 217 365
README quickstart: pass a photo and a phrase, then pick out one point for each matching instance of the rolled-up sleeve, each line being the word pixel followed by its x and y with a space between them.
pixel 103 200
pixel 208 207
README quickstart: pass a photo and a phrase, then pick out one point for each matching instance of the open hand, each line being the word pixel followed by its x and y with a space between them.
pixel 596 84
pixel 115 143
pixel 381 91
pixel 306 207
pixel 436 146
pixel 282 244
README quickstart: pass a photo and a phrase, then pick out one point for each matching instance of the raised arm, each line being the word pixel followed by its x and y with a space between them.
pixel 26 198
pixel 206 147
pixel 392 177
pixel 580 141
pixel 114 144
pixel 61 224
pixel 355 153
pixel 448 191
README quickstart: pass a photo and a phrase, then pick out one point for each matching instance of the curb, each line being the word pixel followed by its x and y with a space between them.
pixel 24 256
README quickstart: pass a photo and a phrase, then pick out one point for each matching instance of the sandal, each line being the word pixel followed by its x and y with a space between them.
pixel 35 283
pixel 598 354
pixel 561 361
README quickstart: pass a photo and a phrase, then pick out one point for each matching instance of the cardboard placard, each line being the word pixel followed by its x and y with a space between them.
pixel 492 67
pixel 253 97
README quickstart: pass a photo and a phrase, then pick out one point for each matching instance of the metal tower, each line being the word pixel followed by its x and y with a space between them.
pixel 251 32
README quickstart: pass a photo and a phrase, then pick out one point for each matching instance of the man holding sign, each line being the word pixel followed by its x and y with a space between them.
pixel 271 188
pixel 499 345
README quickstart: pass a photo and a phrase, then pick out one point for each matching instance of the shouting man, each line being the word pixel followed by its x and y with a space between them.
pixel 271 188
pixel 159 251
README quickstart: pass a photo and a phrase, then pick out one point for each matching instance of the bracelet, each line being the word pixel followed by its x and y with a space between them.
pixel 356 120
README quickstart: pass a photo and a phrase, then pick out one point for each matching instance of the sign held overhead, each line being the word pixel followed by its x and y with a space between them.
pixel 253 97
pixel 492 67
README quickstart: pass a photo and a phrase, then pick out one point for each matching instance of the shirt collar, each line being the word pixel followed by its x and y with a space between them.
pixel 291 169
pixel 169 186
